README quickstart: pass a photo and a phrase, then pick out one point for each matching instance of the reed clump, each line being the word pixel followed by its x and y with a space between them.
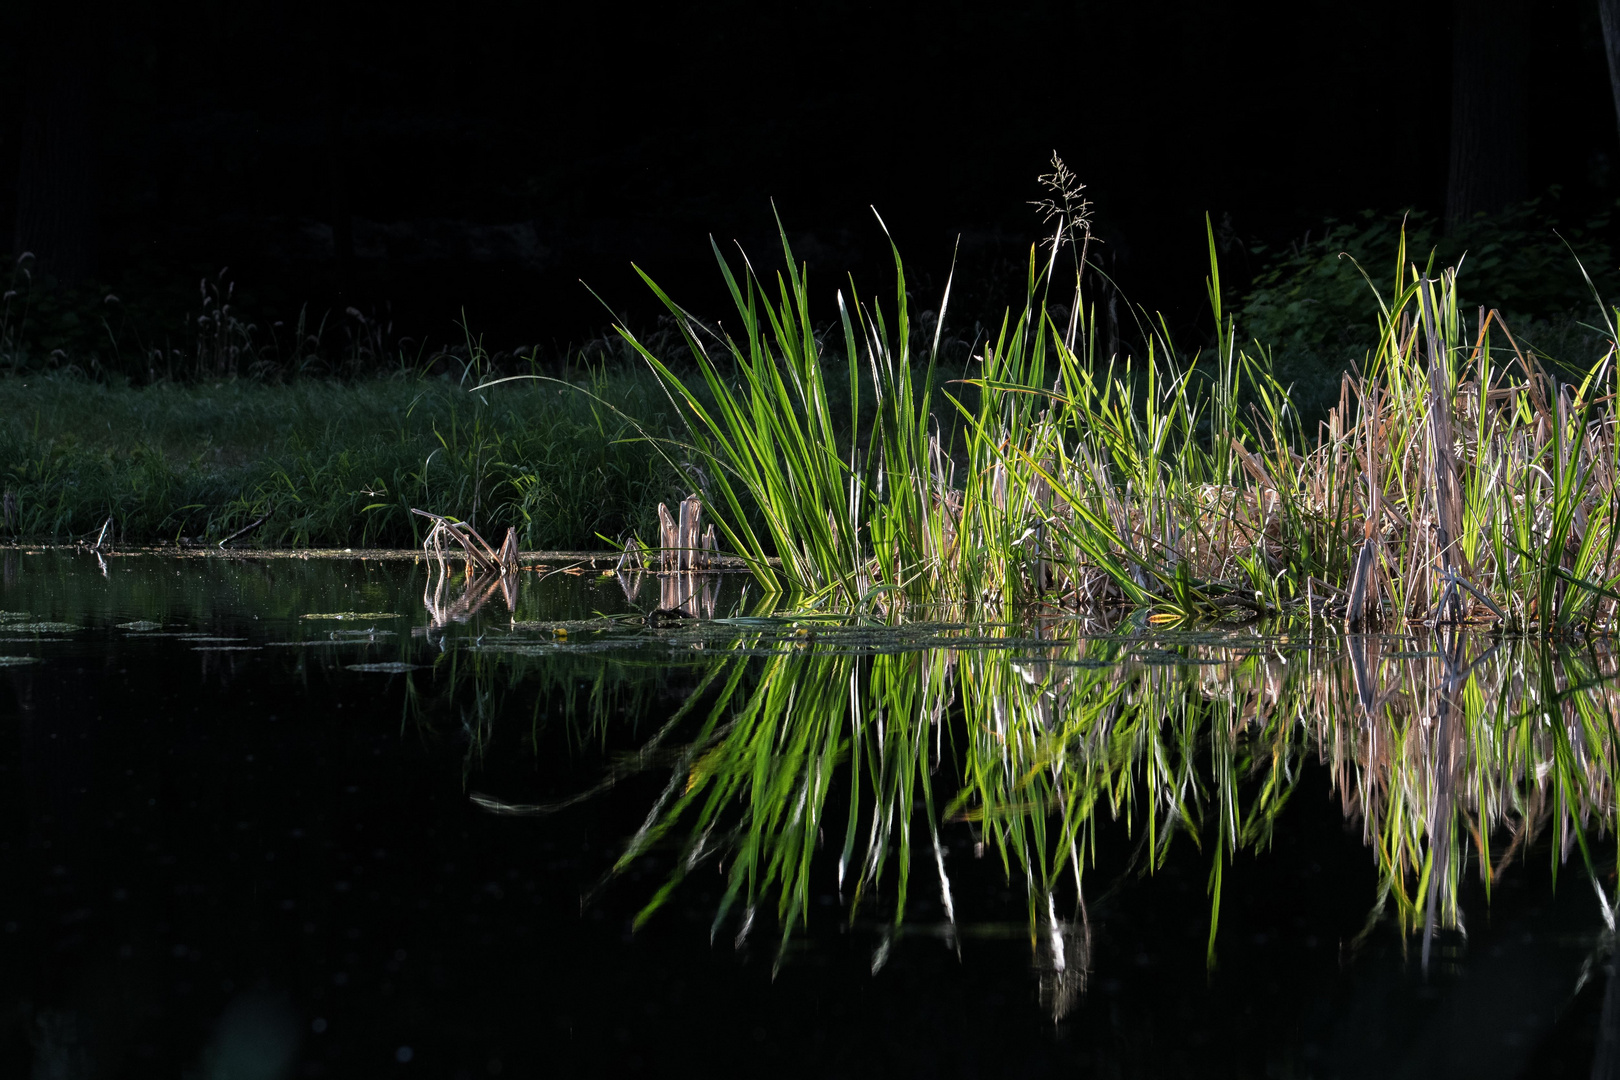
pixel 1459 479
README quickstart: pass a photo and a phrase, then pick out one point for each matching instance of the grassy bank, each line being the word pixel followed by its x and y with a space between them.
pixel 330 463
pixel 1458 476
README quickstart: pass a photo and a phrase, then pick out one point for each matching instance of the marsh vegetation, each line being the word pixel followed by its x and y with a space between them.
pixel 1457 479
pixel 885 463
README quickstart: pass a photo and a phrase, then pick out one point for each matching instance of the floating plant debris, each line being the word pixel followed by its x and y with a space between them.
pixel 543 648
pixel 311 642
pixel 353 615
pixel 571 625
pixel 182 635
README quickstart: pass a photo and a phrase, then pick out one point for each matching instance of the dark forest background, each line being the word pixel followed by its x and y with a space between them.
pixel 413 164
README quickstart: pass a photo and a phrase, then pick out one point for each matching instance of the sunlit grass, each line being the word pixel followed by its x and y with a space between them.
pixel 1457 480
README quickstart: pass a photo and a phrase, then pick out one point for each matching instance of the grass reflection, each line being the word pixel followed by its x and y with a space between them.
pixel 1465 753
pixel 1455 753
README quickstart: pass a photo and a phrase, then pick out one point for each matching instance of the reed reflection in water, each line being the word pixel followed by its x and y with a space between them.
pixel 1454 753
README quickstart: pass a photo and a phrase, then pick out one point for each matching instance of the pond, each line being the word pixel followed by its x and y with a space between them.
pixel 281 815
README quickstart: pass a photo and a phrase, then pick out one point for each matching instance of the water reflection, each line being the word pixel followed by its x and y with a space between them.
pixel 446 604
pixel 1454 754
pixel 257 1038
pixel 684 595
pixel 971 810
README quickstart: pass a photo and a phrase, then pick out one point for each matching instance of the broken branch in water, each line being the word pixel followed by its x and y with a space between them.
pixel 243 531
pixel 481 554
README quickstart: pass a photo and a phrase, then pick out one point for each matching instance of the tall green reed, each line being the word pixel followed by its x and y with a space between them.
pixel 1446 486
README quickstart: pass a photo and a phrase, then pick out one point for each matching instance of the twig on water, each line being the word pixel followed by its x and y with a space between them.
pixel 243 531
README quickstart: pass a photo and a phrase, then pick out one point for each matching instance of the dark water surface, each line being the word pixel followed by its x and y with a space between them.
pixel 243 842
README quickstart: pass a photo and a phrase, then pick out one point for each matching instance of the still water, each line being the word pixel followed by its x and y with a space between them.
pixel 277 816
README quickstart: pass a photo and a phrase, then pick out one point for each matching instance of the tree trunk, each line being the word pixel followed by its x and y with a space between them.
pixel 1609 13
pixel 56 159
pixel 338 96
pixel 1489 152
pixel 341 208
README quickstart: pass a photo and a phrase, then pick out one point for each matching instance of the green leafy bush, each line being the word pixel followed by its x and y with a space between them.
pixel 1314 308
